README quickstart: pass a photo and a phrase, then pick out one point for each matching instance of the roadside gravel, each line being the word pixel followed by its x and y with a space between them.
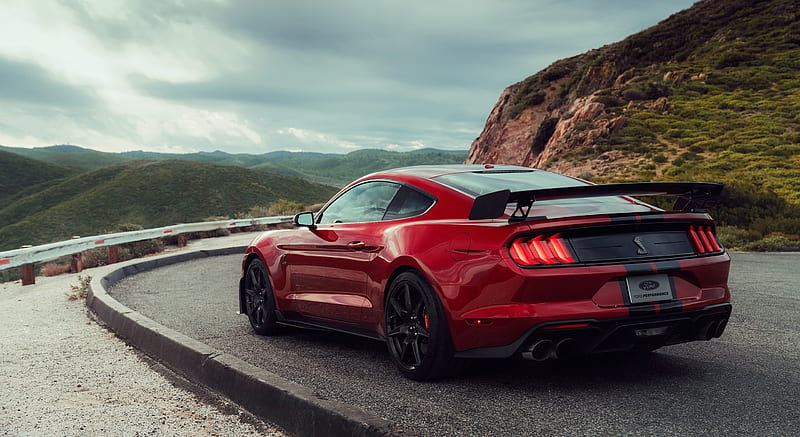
pixel 63 374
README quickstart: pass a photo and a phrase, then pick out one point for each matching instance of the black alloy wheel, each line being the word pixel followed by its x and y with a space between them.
pixel 259 302
pixel 416 330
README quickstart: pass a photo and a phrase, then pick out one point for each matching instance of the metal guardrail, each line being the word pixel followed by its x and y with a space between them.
pixel 34 254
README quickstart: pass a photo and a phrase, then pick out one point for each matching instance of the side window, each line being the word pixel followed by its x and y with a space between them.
pixel 363 203
pixel 408 203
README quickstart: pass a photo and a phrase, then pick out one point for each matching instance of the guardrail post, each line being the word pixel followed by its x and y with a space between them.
pixel 113 254
pixel 76 265
pixel 28 274
pixel 181 240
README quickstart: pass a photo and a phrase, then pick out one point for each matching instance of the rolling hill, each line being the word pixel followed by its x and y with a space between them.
pixel 74 157
pixel 149 194
pixel 326 168
pixel 19 175
pixel 52 193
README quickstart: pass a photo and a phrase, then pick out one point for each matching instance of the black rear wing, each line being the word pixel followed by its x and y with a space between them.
pixel 692 196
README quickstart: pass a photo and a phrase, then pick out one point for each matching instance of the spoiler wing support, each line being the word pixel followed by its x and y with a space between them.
pixel 691 196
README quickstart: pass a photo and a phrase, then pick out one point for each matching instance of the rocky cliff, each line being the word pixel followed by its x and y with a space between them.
pixel 593 115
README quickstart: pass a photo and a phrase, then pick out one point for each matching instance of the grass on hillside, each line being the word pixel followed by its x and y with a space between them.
pixel 730 74
pixel 149 194
pixel 18 174
pixel 325 168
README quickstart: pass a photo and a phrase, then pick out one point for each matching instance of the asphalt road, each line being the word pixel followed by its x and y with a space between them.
pixel 746 383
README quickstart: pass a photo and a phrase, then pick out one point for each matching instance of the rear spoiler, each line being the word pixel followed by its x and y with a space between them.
pixel 691 196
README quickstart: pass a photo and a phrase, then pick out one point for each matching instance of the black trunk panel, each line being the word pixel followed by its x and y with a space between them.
pixel 632 245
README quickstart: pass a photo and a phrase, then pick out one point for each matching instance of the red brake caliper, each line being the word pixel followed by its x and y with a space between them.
pixel 427 319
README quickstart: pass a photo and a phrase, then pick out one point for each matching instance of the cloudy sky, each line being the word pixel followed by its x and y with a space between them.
pixel 256 76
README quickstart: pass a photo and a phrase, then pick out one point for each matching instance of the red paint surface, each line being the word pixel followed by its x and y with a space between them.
pixel 315 273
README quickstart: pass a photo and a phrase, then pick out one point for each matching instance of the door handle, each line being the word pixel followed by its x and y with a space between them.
pixel 356 245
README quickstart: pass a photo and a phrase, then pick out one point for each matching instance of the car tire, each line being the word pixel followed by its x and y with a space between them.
pixel 259 302
pixel 417 335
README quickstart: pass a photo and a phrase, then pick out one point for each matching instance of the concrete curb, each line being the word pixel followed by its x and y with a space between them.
pixel 289 405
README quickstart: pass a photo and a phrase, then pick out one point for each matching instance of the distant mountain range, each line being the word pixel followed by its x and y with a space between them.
pixel 52 193
pixel 326 168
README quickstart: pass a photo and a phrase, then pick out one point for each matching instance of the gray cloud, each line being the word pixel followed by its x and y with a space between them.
pixel 254 75
pixel 29 83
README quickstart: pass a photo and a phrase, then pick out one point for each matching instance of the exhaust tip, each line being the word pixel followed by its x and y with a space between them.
pixel 565 348
pixel 707 330
pixel 540 350
pixel 720 328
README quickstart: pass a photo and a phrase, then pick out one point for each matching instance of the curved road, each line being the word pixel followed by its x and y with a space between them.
pixel 746 383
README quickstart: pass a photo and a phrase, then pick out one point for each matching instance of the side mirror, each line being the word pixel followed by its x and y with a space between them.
pixel 305 219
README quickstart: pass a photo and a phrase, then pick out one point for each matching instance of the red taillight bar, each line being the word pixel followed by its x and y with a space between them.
pixel 562 251
pixel 713 239
pixel 704 239
pixel 541 250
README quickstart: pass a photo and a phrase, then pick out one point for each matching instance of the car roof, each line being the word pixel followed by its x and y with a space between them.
pixel 432 171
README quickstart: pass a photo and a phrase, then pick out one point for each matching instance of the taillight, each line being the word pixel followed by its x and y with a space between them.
pixel 541 250
pixel 704 240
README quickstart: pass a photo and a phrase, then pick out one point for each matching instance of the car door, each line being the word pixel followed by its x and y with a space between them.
pixel 328 266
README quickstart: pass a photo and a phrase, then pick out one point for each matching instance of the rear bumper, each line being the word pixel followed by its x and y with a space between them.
pixel 587 336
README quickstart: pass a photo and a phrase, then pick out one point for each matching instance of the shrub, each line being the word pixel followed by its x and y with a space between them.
pixel 689 156
pixel 609 101
pixel 773 243
pixel 219 232
pixel 697 87
pixel 555 73
pixel 81 290
pixel 139 249
pixel 654 90
pixel 255 212
pixel 733 237
pixel 743 148
pixel 674 133
pixel 54 269
pixel 285 207
pixel 734 59
pixel 633 94
pixel 95 257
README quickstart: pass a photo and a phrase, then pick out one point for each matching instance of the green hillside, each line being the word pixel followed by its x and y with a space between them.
pixel 711 93
pixel 247 160
pixel 326 168
pixel 73 157
pixel 739 119
pixel 149 194
pixel 19 174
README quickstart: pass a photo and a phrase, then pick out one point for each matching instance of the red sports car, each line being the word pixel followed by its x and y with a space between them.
pixel 482 261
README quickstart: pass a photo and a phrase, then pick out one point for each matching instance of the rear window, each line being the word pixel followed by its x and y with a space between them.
pixel 484 182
